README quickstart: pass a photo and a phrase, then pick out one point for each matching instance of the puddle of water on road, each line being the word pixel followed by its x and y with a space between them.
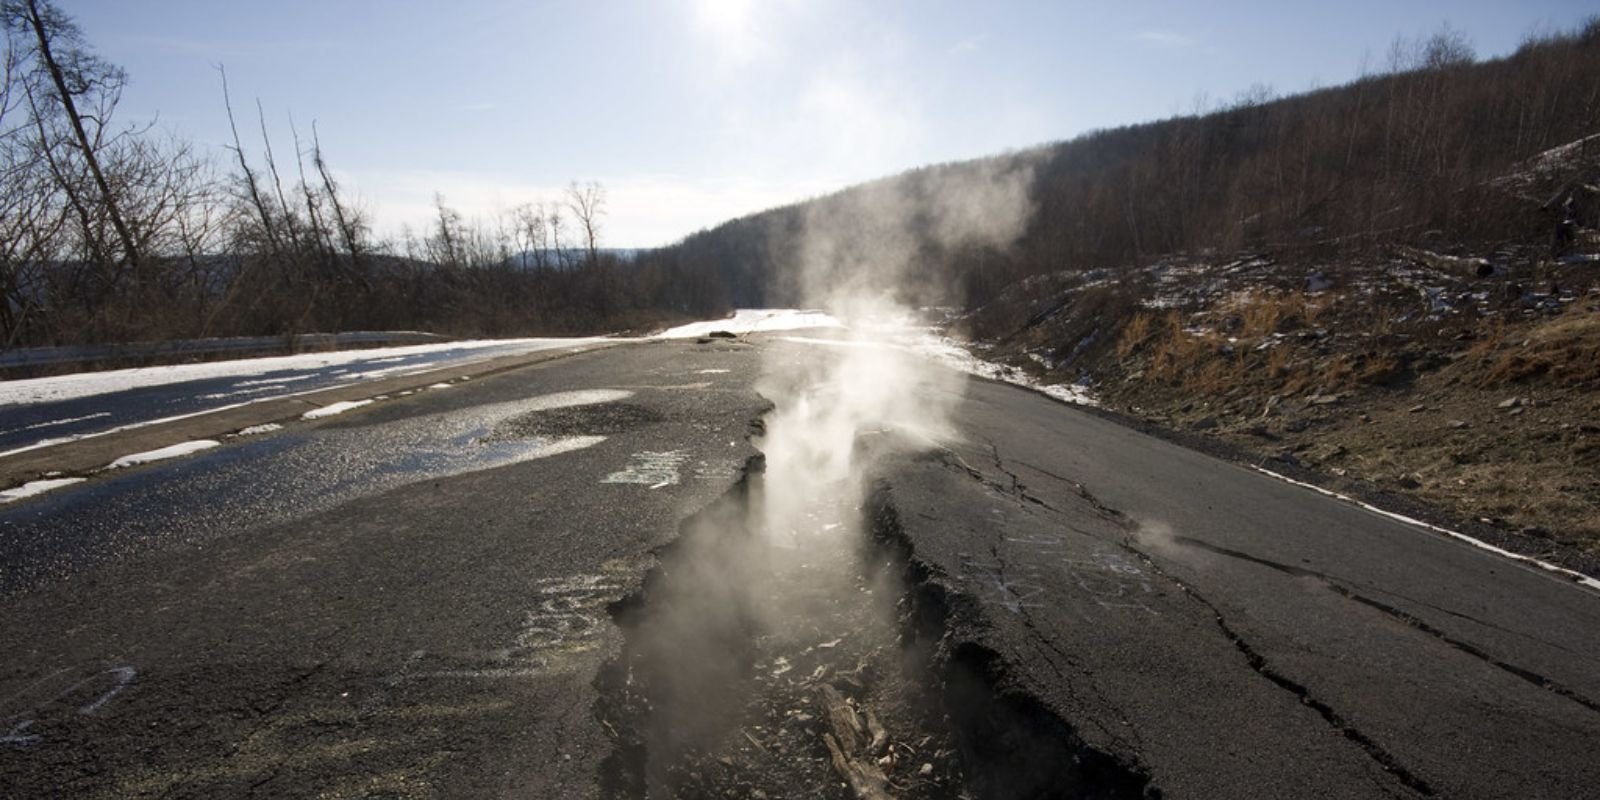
pixel 255 482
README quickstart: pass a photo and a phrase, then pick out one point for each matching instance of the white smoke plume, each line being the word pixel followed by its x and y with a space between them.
pixel 784 575
pixel 859 259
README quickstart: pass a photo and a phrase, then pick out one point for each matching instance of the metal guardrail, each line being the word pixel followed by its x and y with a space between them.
pixel 50 356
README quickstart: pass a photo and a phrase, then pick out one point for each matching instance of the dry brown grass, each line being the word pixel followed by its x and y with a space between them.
pixel 1138 329
pixel 1377 369
pixel 1263 313
pixel 1174 352
pixel 1564 351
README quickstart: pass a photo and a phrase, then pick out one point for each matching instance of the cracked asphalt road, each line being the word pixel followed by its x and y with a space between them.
pixel 409 600
pixel 1231 635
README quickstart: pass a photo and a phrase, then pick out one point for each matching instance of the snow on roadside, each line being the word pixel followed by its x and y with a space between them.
pixel 334 408
pixel 952 354
pixel 164 453
pixel 752 320
pixel 68 421
pixel 32 488
pixel 67 387
pixel 256 430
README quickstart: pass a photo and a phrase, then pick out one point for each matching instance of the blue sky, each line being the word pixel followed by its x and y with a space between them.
pixel 694 111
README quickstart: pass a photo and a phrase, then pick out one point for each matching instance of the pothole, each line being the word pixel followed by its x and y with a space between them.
pixel 602 419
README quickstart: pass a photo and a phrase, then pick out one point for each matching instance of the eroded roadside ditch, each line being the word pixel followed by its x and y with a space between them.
pixel 803 652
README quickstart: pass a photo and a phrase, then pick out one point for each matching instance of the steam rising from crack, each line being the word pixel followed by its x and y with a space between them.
pixel 859 256
pixel 859 261
pixel 766 598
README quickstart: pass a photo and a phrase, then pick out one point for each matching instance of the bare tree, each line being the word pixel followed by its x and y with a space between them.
pixel 446 246
pixel 67 75
pixel 558 250
pixel 247 176
pixel 352 226
pixel 533 240
pixel 587 202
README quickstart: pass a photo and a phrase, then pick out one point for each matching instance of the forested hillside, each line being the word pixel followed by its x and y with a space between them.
pixel 1417 152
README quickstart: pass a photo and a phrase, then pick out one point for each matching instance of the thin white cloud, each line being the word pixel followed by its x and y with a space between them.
pixel 969 45
pixel 1165 39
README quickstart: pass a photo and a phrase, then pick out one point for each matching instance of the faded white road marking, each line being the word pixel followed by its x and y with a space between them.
pixel 650 468
pixel 1577 577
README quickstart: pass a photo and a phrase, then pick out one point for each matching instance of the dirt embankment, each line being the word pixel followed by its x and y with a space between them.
pixel 1469 383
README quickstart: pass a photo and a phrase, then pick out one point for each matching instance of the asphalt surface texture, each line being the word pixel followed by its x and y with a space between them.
pixel 407 600
pixel 1221 633
pixel 412 600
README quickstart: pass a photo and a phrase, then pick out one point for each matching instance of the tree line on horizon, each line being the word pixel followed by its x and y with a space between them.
pixel 1415 151
pixel 116 232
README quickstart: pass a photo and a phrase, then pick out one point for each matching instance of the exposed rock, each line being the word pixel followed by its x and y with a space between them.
pixel 1418 408
pixel 1510 402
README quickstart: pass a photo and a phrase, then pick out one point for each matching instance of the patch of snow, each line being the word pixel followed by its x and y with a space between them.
pixel 164 453
pixel 67 387
pixel 32 488
pixel 1076 394
pixel 582 397
pixel 256 430
pixel 1574 575
pixel 120 428
pixel 276 381
pixel 752 320
pixel 334 408
pixel 53 423
pixel 238 392
pixel 712 371
pixel 955 355
pixel 438 386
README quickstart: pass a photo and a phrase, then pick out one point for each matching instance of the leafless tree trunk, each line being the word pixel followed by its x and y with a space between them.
pixel 252 184
pixel 587 202
pixel 46 24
